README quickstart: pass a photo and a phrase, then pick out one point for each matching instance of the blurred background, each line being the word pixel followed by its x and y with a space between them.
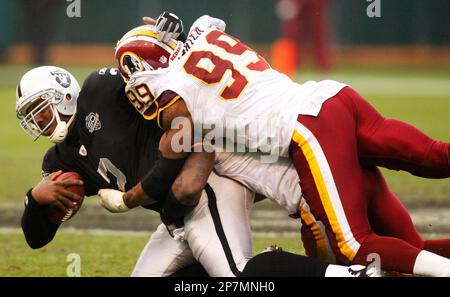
pixel 401 32
pixel 395 53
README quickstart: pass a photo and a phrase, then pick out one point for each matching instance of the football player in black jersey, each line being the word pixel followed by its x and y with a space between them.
pixel 107 145
pixel 106 142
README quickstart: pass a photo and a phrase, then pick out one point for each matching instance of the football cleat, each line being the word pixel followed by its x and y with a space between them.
pixel 363 271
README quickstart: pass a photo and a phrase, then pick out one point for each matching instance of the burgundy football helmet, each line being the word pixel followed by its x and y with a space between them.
pixel 139 50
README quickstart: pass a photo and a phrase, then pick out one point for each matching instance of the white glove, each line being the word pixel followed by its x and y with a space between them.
pixel 209 22
pixel 112 200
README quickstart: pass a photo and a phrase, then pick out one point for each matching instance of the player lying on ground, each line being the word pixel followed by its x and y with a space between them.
pixel 96 152
pixel 94 145
pixel 330 133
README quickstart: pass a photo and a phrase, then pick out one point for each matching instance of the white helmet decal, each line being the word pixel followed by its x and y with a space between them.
pixel 61 77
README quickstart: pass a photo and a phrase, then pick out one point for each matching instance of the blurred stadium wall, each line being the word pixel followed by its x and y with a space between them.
pixel 409 32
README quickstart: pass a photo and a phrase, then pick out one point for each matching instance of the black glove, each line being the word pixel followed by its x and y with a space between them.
pixel 171 223
pixel 169 26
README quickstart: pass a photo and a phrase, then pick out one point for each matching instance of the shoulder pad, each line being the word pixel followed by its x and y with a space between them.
pixel 103 76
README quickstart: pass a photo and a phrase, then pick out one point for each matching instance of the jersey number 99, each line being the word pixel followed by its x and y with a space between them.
pixel 210 68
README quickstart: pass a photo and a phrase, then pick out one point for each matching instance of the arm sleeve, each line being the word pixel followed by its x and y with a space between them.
pixel 38 230
pixel 156 184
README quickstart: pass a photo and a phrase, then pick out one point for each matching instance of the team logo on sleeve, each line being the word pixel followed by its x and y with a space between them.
pixel 93 122
pixel 61 78
pixel 82 151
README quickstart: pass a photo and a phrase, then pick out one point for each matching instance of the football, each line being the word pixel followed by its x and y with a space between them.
pixel 55 215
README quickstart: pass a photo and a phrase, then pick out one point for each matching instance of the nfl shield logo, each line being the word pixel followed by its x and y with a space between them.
pixel 93 122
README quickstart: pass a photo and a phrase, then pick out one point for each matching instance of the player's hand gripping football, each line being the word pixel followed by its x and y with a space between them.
pixel 52 192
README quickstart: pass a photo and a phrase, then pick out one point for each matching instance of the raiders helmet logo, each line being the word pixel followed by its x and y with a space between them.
pixel 61 78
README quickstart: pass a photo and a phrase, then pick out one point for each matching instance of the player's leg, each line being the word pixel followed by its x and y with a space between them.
pixel 218 230
pixel 162 255
pixel 313 235
pixel 388 216
pixel 284 264
pixel 395 144
pixel 331 178
pixel 193 270
pixel 325 153
pixel 438 246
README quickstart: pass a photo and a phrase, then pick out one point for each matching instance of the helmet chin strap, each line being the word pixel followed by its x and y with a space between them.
pixel 61 129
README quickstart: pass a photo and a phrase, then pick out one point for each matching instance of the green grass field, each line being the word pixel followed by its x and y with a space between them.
pixel 101 254
pixel 418 96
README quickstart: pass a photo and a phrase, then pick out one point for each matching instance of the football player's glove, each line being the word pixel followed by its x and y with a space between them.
pixel 169 26
pixel 112 200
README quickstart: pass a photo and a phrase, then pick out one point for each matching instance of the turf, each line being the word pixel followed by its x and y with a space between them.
pixel 100 254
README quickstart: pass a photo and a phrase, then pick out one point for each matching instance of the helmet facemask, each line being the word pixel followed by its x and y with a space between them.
pixel 50 98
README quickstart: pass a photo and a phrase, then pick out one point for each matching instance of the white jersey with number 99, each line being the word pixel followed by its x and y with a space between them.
pixel 230 90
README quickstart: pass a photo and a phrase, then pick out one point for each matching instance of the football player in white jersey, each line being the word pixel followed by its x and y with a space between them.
pixel 215 82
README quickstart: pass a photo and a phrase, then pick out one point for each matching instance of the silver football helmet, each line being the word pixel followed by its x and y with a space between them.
pixel 57 89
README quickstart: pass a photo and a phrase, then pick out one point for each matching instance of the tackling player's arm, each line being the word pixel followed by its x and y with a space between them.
pixel 179 177
pixel 156 184
pixel 186 190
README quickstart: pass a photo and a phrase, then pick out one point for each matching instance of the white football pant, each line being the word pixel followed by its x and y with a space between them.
pixel 217 235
